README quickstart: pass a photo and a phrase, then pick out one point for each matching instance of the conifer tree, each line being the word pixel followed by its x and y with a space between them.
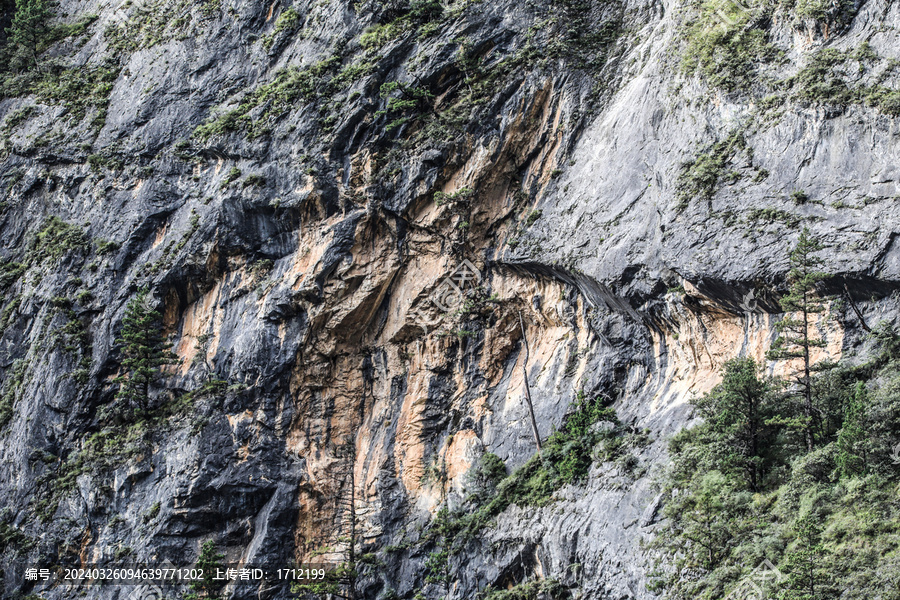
pixel 28 31
pixel 795 338
pixel 807 578
pixel 735 414
pixel 209 562
pixel 144 351
pixel 340 582
pixel 704 519
pixel 852 438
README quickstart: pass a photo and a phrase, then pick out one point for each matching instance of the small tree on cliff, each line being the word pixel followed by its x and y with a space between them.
pixel 144 351
pixel 736 412
pixel 807 575
pixel 209 563
pixel 28 31
pixel 795 338
pixel 340 581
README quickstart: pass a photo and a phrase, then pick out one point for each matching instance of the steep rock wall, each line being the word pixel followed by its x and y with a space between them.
pixel 295 245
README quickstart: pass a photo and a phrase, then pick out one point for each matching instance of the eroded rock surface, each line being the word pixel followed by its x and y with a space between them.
pixel 296 228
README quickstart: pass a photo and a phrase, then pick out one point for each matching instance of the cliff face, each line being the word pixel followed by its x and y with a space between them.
pixel 298 186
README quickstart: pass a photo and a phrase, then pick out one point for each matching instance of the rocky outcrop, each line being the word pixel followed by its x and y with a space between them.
pixel 298 186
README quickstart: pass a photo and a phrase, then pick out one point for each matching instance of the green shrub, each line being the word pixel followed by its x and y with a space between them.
pixel 77 89
pixel 286 21
pixel 289 86
pixel 10 272
pixel 253 180
pixel 532 217
pixel 151 513
pixel 484 477
pixel 412 102
pixel 233 174
pixel 289 19
pixel 799 197
pixel 835 13
pixel 12 390
pixel 11 537
pixel 377 36
pixel 773 215
pixel 727 53
pixel 822 82
pixel 18 117
pixel 536 589
pixel 106 247
pixel 418 13
pixel 818 83
pixel 884 99
pixel 56 239
pixel 460 195
pixel 699 178
pixel 8 311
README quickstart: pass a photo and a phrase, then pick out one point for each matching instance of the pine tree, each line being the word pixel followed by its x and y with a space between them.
pixel 807 578
pixel 795 339
pixel 144 351
pixel 852 438
pixel 340 582
pixel 704 519
pixel 28 31
pixel 209 562
pixel 735 413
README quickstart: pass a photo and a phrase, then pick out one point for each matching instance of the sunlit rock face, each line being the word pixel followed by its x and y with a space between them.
pixel 350 218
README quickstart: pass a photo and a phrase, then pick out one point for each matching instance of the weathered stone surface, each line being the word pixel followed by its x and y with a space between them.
pixel 310 289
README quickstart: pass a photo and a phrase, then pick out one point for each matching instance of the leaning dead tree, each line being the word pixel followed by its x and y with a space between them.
pixel 534 428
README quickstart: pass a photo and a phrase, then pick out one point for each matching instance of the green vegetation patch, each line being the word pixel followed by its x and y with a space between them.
pixel 773 215
pixel 24 69
pixel 580 37
pixel 405 103
pixel 291 86
pixel 824 79
pixel 583 34
pixel 11 537
pixel 288 20
pixel 726 44
pixel 700 177
pixel 77 89
pixel 17 379
pixel 56 239
pixel 154 22
pixel 18 117
pixel 809 485
pixel 591 432
pixel 128 436
pixel 461 195
pixel 817 82
pixel 10 272
pixel 423 16
pixel 536 589
pixel 837 14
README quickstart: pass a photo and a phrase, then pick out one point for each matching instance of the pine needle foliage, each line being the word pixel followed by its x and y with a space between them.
pixel 209 562
pixel 827 519
pixel 144 351
pixel 27 34
pixel 797 335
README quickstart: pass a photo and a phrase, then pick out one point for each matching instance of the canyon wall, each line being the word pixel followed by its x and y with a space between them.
pixel 300 187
